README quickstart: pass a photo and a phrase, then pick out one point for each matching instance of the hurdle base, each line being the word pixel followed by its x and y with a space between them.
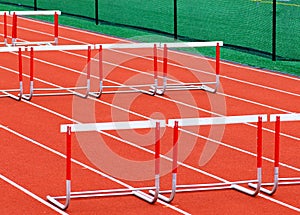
pixel 144 196
pixel 208 89
pixel 243 190
pixel 262 189
pixel 162 197
pixel 154 91
pixel 53 201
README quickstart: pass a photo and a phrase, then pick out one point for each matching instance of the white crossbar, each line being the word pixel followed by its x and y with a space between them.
pixel 108 46
pixel 158 45
pixel 12 49
pixel 38 12
pixel 105 126
pixel 217 120
pixel 61 47
pixel 285 117
pixel 4 12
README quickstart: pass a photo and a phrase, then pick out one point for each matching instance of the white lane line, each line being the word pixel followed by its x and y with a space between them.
pixel 32 195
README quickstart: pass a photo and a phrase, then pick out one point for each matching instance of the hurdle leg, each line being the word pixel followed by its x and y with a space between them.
pixel 100 68
pixel 276 163
pixel 153 90
pixel 88 80
pixel 142 195
pixel 161 89
pixel 19 97
pixel 31 88
pixel 174 168
pixel 68 176
pixel 14 30
pixel 5 28
pixel 55 28
pixel 259 164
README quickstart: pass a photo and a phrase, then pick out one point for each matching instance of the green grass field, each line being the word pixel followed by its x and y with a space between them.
pixel 242 23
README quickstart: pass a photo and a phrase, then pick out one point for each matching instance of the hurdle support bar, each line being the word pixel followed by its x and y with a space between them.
pixel 53 200
pixel 15 14
pixel 105 126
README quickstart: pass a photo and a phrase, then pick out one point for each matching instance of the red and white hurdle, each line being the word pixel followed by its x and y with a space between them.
pixel 15 14
pixel 69 128
pixel 53 91
pixel 278 118
pixel 224 185
pixel 191 85
pixel 146 88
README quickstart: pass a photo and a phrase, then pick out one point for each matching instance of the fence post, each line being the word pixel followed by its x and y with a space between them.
pixel 175 20
pixel 274 32
pixel 35 4
pixel 96 12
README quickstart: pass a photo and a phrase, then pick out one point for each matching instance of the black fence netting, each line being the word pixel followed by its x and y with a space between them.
pixel 256 26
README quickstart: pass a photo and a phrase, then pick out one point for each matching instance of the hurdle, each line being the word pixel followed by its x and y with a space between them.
pixel 15 15
pixel 154 88
pixel 53 91
pixel 191 85
pixel 236 185
pixel 106 126
pixel 9 92
pixel 113 89
pixel 278 118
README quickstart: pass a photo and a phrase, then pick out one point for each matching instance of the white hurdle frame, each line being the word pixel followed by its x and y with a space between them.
pixel 15 14
pixel 278 118
pixel 69 128
pixel 220 186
